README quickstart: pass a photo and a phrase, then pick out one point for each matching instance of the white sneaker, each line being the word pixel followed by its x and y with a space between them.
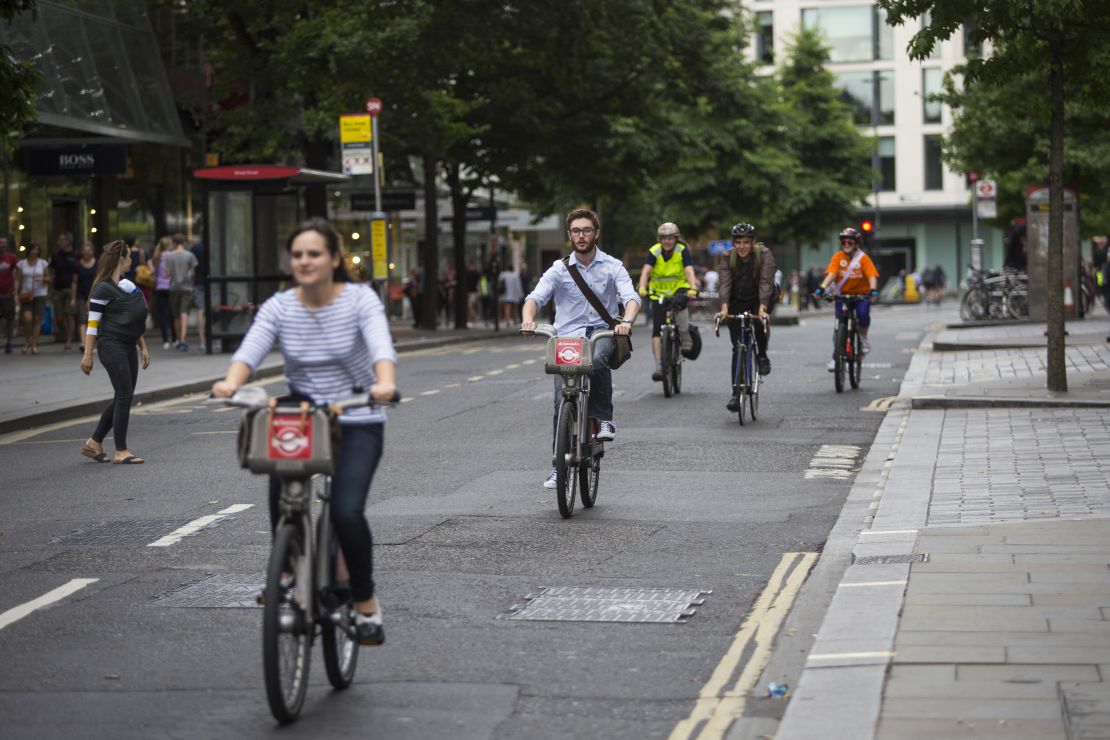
pixel 831 367
pixel 606 431
pixel 550 482
pixel 864 345
pixel 165 345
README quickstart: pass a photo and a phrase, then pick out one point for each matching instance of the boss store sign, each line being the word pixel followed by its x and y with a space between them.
pixel 84 160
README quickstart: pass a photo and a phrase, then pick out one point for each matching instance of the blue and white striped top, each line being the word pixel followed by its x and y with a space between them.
pixel 327 351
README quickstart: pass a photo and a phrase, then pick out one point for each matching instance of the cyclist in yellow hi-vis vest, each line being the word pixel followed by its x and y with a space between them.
pixel 668 271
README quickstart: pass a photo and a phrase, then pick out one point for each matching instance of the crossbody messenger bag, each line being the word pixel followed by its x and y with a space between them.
pixel 622 343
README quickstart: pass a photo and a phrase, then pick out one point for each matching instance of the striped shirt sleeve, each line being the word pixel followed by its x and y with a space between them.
pixel 262 334
pixel 375 327
pixel 97 304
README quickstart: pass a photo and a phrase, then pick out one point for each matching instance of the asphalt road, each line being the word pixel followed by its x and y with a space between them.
pixel 463 533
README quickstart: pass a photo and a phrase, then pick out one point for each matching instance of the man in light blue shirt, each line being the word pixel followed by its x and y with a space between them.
pixel 575 317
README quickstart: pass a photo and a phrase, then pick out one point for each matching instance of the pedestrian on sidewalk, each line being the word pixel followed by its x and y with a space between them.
pixel 86 274
pixel 198 290
pixel 1104 282
pixel 117 319
pixel 8 261
pixel 162 290
pixel 181 264
pixel 63 280
pixel 30 289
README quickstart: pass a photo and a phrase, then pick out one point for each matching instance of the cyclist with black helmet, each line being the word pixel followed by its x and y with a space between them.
pixel 748 285
pixel 668 271
pixel 854 274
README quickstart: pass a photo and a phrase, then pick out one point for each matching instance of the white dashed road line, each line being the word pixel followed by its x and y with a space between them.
pixel 833 461
pixel 196 525
pixel 19 612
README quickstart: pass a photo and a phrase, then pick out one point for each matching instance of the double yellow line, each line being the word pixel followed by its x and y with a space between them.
pixel 716 707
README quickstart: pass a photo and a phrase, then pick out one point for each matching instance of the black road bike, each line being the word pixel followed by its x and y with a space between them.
pixel 746 377
pixel 578 452
pixel 847 353
pixel 671 344
pixel 306 593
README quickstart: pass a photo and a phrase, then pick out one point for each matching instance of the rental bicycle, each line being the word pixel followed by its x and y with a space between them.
pixel 306 592
pixel 847 353
pixel 578 451
pixel 746 377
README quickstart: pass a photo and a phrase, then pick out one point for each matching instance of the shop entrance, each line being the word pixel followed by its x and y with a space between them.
pixel 65 216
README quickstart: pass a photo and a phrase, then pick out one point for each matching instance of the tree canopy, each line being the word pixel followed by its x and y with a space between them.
pixel 17 80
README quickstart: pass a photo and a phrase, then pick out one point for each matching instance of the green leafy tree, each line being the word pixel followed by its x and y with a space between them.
pixel 17 81
pixel 1061 42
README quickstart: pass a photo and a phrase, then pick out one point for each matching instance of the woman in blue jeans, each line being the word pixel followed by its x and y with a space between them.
pixel 334 338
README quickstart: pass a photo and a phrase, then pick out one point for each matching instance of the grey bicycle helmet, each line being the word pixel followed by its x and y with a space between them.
pixel 850 233
pixel 743 229
pixel 667 229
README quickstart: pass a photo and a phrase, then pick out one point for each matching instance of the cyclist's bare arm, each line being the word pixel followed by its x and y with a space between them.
pixel 237 374
pixel 528 315
pixel 385 373
pixel 645 276
pixel 630 310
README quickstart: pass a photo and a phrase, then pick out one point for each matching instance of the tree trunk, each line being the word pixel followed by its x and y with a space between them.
pixel 429 256
pixel 1054 301
pixel 458 233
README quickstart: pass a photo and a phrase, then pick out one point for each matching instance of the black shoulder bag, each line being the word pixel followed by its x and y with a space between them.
pixel 622 343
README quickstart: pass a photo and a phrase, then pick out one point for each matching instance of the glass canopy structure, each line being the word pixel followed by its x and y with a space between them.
pixel 101 68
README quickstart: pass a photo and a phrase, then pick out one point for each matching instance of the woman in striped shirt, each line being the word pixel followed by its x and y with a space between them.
pixel 117 318
pixel 334 337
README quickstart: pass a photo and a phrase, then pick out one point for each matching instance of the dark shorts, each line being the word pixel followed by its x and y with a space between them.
pixel 62 302
pixel 37 307
pixel 181 301
pixel 198 299
pixel 7 307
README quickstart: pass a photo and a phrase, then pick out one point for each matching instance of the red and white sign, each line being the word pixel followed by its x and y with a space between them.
pixel 374 106
pixel 246 172
pixel 568 351
pixel 290 438
pixel 986 189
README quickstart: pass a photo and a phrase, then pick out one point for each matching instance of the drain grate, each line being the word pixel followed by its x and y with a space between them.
pixel 121 533
pixel 597 604
pixel 916 557
pixel 226 590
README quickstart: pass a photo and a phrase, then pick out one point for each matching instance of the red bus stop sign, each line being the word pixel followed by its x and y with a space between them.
pixel 374 106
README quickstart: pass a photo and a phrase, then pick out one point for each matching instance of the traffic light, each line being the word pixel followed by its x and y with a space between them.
pixel 867 228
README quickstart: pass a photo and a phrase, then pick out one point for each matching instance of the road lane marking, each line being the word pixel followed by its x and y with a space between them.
pixel 197 524
pixel 529 362
pixel 880 404
pixel 475 378
pixel 453 385
pixel 495 372
pixel 716 707
pixel 833 461
pixel 406 399
pixel 432 392
pixel 19 612
pixel 514 366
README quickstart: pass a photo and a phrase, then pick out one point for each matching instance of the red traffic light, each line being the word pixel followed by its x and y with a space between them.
pixel 867 227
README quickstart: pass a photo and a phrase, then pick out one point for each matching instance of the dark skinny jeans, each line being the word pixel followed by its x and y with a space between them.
pixel 121 361
pixel 165 320
pixel 360 452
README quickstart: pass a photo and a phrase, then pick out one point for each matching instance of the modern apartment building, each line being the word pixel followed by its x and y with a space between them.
pixel 922 210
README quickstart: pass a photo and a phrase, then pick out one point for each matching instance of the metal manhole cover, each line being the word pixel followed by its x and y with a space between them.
pixel 122 533
pixel 597 604
pixel 917 557
pixel 227 590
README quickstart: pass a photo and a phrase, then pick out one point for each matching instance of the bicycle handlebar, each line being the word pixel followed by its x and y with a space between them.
pixel 547 330
pixel 254 397
pixel 733 317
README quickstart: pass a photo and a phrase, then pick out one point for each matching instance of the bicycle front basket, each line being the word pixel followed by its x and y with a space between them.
pixel 569 356
pixel 290 441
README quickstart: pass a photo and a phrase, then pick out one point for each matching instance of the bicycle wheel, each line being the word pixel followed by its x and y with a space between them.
pixel 340 648
pixel 1017 303
pixel 971 306
pixel 588 482
pixel 855 361
pixel 286 629
pixel 668 365
pixel 676 363
pixel 566 447
pixel 753 395
pixel 838 369
pixel 742 375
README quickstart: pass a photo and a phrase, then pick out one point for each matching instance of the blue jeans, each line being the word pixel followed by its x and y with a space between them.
pixel 601 385
pixel 360 452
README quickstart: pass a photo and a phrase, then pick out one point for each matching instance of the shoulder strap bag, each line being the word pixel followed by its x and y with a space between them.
pixel 622 343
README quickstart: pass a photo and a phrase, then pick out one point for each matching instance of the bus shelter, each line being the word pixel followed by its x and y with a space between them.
pixel 249 212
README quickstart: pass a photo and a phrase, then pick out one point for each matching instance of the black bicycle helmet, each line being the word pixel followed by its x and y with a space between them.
pixel 850 233
pixel 743 229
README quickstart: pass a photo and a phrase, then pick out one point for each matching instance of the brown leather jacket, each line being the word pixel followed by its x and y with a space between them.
pixel 730 265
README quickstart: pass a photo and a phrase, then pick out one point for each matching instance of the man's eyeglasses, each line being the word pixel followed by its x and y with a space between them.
pixel 588 231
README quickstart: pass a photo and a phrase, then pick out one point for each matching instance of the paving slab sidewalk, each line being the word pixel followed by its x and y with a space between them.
pixel 50 387
pixel 983 610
